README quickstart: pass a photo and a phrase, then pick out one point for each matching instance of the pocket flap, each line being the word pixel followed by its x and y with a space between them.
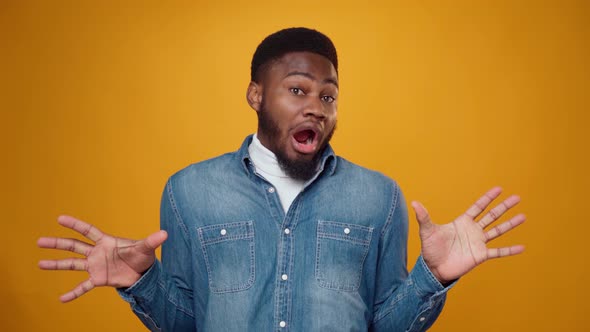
pixel 346 232
pixel 225 232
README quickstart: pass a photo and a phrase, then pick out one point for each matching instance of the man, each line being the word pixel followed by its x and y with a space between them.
pixel 283 234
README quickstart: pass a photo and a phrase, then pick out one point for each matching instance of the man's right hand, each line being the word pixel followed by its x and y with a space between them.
pixel 111 261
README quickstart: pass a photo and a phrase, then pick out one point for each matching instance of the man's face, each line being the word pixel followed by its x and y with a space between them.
pixel 297 110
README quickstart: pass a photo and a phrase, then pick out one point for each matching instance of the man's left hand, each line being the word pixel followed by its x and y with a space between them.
pixel 453 249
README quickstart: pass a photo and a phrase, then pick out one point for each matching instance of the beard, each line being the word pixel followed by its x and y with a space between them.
pixel 298 169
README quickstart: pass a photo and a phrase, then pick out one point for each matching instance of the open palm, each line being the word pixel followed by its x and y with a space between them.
pixel 111 261
pixel 453 249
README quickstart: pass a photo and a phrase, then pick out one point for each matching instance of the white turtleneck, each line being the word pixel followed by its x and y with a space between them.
pixel 266 164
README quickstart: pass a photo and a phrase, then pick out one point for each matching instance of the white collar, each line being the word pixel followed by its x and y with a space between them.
pixel 264 160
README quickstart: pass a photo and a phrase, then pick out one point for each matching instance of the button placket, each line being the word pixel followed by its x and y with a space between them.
pixel 282 314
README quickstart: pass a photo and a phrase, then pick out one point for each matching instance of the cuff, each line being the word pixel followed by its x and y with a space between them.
pixel 425 281
pixel 143 288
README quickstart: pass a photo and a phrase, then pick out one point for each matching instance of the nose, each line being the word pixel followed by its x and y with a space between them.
pixel 314 107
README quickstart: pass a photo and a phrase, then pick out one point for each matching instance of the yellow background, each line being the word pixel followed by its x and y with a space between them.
pixel 102 101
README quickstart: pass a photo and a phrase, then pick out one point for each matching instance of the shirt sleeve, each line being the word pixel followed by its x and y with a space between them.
pixel 404 302
pixel 162 297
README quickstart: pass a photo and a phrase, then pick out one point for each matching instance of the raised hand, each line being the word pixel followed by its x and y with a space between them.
pixel 111 261
pixel 453 249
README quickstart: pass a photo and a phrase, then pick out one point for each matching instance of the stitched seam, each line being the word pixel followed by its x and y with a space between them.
pixel 231 228
pixel 391 211
pixel 148 317
pixel 204 250
pixel 229 225
pixel 415 321
pixel 429 275
pixel 391 306
pixel 228 238
pixel 364 239
pixel 317 255
pixel 175 210
pixel 170 299
pixel 344 238
pixel 290 266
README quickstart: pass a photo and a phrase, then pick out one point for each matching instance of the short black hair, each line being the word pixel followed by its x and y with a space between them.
pixel 290 40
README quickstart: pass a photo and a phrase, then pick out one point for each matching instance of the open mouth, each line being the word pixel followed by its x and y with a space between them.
pixel 305 141
pixel 305 136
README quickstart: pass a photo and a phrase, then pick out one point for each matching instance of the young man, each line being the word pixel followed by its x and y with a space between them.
pixel 283 234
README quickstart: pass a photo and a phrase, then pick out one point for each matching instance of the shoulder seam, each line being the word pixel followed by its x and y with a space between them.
pixel 394 199
pixel 177 216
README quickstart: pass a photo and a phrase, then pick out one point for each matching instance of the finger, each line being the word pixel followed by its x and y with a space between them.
pixel 81 227
pixel 75 264
pixel 152 242
pixel 483 202
pixel 505 227
pixel 495 213
pixel 75 293
pixel 505 251
pixel 73 245
pixel 423 217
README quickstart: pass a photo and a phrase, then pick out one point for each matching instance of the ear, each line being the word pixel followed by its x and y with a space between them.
pixel 254 95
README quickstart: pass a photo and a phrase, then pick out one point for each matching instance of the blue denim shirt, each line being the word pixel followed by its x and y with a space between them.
pixel 234 261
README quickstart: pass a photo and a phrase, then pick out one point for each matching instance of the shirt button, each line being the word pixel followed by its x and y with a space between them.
pixel 284 277
pixel 282 323
pixel 347 230
pixel 223 232
pixel 422 319
pixel 271 190
pixel 287 231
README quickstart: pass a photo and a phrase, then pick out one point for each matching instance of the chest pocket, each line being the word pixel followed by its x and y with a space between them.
pixel 340 254
pixel 229 255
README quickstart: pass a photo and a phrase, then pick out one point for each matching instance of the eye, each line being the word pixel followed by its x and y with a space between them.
pixel 328 99
pixel 296 91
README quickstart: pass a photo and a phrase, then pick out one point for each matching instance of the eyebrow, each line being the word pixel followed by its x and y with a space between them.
pixel 311 77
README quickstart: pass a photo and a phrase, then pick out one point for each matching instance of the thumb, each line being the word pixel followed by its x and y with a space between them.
pixel 152 242
pixel 426 225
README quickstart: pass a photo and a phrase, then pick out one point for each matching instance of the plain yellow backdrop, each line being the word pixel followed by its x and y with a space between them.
pixel 103 100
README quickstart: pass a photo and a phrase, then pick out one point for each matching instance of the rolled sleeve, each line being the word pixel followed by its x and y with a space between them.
pixel 145 287
pixel 142 292
pixel 415 305
pixel 431 291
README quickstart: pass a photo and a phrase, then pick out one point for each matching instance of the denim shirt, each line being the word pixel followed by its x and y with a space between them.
pixel 235 261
